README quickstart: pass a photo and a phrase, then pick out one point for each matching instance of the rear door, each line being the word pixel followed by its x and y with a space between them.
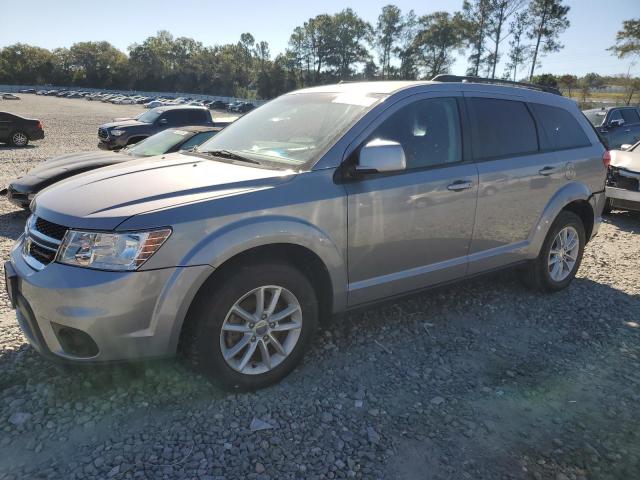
pixel 630 131
pixel 516 178
pixel 411 229
pixel 6 123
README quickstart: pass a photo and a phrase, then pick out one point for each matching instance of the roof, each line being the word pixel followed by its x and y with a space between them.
pixel 180 107
pixel 198 128
pixel 387 88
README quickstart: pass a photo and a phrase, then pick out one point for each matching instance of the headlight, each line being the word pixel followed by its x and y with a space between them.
pixel 116 133
pixel 110 251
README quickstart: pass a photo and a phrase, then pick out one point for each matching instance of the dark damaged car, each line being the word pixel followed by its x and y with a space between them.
pixel 21 191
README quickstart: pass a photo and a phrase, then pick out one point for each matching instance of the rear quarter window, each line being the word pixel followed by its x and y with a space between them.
pixel 560 130
pixel 501 128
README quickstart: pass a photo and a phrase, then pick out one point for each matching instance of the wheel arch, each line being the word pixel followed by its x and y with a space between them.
pixel 574 197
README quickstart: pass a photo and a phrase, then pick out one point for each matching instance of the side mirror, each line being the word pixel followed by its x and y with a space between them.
pixel 381 156
pixel 616 122
pixel 162 121
pixel 625 146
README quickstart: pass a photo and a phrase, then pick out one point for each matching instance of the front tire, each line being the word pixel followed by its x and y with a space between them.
pixel 19 139
pixel 560 256
pixel 252 325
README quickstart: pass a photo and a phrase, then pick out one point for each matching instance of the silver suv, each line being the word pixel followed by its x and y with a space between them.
pixel 322 200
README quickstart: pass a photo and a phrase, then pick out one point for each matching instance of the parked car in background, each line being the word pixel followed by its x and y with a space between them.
pixel 10 96
pixel 319 201
pixel 617 125
pixel 28 90
pixel 119 134
pixel 218 105
pixel 623 179
pixel 21 191
pixel 19 131
pixel 154 104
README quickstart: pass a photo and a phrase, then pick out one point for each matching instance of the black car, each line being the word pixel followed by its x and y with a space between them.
pixel 218 105
pixel 21 191
pixel 119 134
pixel 617 125
pixel 19 131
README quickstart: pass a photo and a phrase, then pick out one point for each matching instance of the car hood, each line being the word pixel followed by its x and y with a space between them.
pixel 627 160
pixel 67 164
pixel 124 123
pixel 104 198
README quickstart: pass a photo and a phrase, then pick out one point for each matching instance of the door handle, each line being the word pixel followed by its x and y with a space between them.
pixel 627 130
pixel 546 171
pixel 460 185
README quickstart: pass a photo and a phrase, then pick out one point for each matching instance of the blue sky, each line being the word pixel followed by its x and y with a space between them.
pixel 594 24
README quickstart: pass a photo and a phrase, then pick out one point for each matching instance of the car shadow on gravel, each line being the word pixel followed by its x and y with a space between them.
pixel 625 220
pixel 4 146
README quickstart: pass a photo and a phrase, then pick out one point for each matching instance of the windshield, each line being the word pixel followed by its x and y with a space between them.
pixel 596 117
pixel 292 129
pixel 149 117
pixel 159 143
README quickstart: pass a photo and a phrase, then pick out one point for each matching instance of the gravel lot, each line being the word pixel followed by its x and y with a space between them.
pixel 481 380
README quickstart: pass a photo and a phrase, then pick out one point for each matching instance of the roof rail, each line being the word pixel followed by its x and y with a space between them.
pixel 494 81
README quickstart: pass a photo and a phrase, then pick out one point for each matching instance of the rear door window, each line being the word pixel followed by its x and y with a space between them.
pixel 501 128
pixel 630 115
pixel 197 116
pixel 560 130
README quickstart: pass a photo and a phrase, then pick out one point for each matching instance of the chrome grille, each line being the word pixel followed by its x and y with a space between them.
pixel 41 241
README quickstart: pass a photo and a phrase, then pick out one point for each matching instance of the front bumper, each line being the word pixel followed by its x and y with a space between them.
pixel 623 198
pixel 36 134
pixel 127 315
pixel 19 197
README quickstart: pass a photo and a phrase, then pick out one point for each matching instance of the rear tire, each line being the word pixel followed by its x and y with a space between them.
pixel 19 139
pixel 266 347
pixel 559 260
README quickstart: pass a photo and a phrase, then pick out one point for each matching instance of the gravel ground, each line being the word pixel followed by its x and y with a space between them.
pixel 481 380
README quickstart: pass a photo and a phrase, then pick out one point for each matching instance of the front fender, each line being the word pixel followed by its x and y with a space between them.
pixel 238 237
pixel 570 192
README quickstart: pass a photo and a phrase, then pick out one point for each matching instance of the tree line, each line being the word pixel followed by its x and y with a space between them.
pixel 325 49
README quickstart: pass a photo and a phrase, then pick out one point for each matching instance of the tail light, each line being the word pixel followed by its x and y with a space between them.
pixel 39 125
pixel 606 158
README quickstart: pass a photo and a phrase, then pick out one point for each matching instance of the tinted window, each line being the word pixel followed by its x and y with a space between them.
pixel 197 116
pixel 615 115
pixel 630 115
pixel 428 130
pixel 559 129
pixel 501 128
pixel 176 117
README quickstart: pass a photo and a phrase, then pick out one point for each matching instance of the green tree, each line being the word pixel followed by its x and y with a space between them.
pixel 350 33
pixel 26 64
pixel 519 51
pixel 548 20
pixel 546 80
pixel 568 82
pixel 500 12
pixel 475 20
pixel 387 35
pixel 628 39
pixel 440 35
pixel 405 51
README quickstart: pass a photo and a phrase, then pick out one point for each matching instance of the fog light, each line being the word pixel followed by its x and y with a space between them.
pixel 75 342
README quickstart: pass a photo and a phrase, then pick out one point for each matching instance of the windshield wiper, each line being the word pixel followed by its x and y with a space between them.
pixel 228 154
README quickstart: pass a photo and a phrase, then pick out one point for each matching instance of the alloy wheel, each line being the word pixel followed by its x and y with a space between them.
pixel 261 330
pixel 563 254
pixel 19 139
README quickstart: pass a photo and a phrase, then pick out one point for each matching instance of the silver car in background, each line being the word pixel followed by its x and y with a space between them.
pixel 322 200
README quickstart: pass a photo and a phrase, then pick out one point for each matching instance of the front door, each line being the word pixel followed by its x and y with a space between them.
pixel 412 229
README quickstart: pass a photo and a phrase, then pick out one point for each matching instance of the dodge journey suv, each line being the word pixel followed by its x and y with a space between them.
pixel 319 201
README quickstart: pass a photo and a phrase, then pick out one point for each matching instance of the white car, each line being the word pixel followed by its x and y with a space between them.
pixel 154 104
pixel 10 96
